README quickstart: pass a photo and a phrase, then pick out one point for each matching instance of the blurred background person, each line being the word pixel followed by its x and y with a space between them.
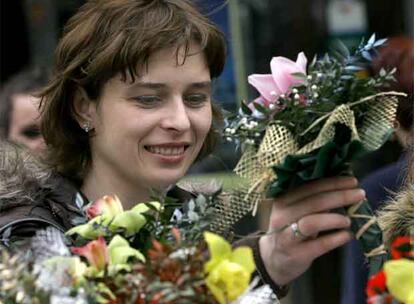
pixel 19 109
pixel 381 184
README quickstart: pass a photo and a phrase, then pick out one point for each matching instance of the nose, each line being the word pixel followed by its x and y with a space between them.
pixel 177 116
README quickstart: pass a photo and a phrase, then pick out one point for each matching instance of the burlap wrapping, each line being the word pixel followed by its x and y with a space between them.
pixel 278 142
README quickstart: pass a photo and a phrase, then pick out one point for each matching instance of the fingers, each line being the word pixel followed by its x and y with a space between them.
pixel 313 224
pixel 317 247
pixel 317 203
pixel 322 185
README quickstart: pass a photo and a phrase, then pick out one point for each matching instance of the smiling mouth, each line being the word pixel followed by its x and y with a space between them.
pixel 167 150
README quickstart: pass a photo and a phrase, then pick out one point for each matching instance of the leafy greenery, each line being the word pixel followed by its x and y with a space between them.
pixel 340 78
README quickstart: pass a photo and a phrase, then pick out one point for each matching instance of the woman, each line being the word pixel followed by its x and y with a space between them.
pixel 129 110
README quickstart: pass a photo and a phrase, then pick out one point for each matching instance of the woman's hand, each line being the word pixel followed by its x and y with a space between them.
pixel 296 220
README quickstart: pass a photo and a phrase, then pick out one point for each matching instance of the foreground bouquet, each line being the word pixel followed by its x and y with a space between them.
pixel 395 282
pixel 311 121
pixel 153 253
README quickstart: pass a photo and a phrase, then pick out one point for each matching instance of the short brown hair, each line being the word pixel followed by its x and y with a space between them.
pixel 108 37
pixel 27 81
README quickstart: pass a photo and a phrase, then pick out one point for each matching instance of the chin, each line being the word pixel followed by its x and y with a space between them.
pixel 167 179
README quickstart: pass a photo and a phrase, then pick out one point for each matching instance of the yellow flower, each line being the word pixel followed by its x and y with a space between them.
pixel 400 279
pixel 362 74
pixel 108 212
pixel 120 251
pixel 228 271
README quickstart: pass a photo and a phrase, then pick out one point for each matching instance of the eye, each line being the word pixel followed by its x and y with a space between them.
pixel 31 132
pixel 147 101
pixel 196 100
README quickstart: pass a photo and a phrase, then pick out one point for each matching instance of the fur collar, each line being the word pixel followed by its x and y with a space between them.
pixel 397 217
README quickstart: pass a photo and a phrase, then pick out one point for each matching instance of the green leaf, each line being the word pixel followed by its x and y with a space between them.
pixel 380 42
pixel 366 55
pixel 314 60
pixel 245 108
pixel 299 75
pixel 353 68
pixel 260 108
pixel 343 49
pixel 371 40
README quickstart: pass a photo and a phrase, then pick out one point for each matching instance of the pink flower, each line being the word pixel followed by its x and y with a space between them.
pixel 107 205
pixel 271 86
pixel 96 252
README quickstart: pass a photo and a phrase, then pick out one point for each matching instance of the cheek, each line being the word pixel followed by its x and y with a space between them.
pixel 204 123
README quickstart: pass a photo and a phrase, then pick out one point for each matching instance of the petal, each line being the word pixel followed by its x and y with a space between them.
pixel 235 279
pixel 400 279
pixel 213 284
pixel 376 284
pixel 219 250
pixel 108 205
pixel 96 252
pixel 301 62
pixel 113 205
pixel 244 257
pixel 94 209
pixel 87 231
pixel 265 85
pixel 130 220
pixel 120 251
pixel 143 207
pixel 282 70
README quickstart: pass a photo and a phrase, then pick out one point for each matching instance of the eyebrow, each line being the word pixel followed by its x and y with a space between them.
pixel 155 85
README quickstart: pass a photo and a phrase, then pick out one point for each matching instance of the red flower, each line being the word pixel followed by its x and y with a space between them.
pixel 108 204
pixel 376 285
pixel 96 252
pixel 383 299
pixel 403 247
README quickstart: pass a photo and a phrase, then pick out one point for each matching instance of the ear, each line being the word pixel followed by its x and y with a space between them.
pixel 84 109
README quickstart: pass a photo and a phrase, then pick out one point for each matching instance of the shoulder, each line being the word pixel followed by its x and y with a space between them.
pixel 31 196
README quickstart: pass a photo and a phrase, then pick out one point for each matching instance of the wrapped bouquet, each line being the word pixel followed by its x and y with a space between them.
pixel 309 122
pixel 152 253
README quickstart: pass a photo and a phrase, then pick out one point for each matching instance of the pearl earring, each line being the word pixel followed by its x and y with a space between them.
pixel 86 126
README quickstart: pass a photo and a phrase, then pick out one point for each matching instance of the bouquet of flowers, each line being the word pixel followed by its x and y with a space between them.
pixel 395 282
pixel 152 253
pixel 311 121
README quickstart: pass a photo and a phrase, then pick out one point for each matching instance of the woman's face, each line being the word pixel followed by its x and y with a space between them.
pixel 24 125
pixel 149 132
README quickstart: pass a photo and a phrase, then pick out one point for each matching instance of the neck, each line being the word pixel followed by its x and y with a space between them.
pixel 98 183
